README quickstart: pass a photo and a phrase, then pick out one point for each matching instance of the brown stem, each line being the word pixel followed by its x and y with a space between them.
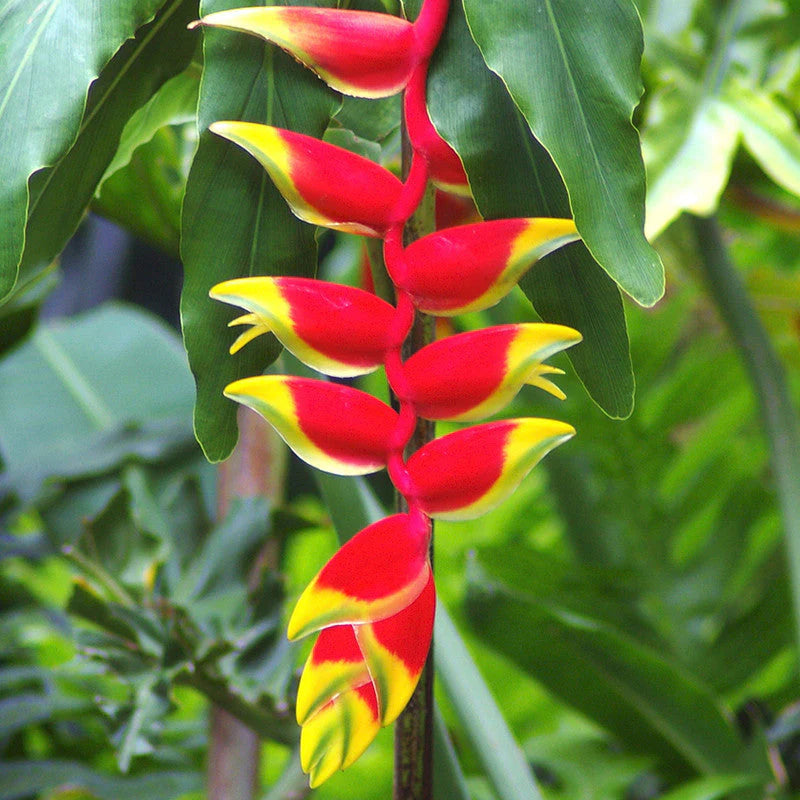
pixel 413 733
pixel 254 469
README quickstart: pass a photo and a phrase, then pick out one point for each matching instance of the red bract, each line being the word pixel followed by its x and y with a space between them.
pixel 357 52
pixel 473 375
pixel 335 329
pixel 373 576
pixel 373 603
pixel 477 265
pixel 332 427
pixel 467 473
pixel 323 184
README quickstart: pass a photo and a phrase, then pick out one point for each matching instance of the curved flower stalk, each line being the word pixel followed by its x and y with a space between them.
pixel 373 603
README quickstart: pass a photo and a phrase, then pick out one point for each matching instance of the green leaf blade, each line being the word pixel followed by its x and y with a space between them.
pixel 234 221
pixel 51 53
pixel 630 688
pixel 576 81
pixel 512 175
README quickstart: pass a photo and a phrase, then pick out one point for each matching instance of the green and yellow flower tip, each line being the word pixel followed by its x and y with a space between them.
pixel 339 733
pixel 333 427
pixel 322 183
pixel 395 650
pixel 477 265
pixel 336 329
pixel 374 575
pixel 390 653
pixel 488 366
pixel 467 473
pixel 359 53
pixel 335 665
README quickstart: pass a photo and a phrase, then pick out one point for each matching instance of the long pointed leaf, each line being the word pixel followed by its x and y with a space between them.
pixel 646 701
pixel 573 70
pixel 49 55
pixel 235 223
pixel 512 175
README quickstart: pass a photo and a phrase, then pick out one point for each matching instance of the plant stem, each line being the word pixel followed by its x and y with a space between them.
pixel 413 733
pixel 254 469
pixel 769 381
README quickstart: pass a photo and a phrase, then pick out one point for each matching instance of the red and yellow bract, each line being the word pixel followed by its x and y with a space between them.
pixel 335 329
pixel 333 427
pixel 508 357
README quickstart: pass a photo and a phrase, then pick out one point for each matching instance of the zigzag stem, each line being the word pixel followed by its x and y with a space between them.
pixel 413 744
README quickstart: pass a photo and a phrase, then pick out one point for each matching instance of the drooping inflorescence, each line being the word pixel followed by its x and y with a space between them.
pixel 373 602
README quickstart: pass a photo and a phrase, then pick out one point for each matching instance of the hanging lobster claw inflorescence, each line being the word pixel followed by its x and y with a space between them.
pixel 373 602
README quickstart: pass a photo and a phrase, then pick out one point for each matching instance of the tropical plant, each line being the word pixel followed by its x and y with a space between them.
pixel 620 600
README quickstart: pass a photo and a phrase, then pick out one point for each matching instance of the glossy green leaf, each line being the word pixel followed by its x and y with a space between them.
pixel 370 119
pixel 173 104
pixel 512 175
pixel 89 382
pixel 145 195
pixel 573 70
pixel 234 222
pixel 142 188
pixel 632 690
pixel 43 91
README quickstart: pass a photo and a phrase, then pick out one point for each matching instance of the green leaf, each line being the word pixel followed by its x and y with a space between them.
pixel 573 70
pixel 106 386
pixel 710 788
pixel 25 778
pixel 370 119
pixel 234 221
pixel 512 175
pixel 145 195
pixel 19 312
pixel 690 134
pixel 173 104
pixel 25 710
pixel 630 689
pixel 142 188
pixel 689 148
pixel 77 136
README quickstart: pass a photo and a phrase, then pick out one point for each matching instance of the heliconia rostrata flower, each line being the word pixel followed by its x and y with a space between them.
pixel 373 602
